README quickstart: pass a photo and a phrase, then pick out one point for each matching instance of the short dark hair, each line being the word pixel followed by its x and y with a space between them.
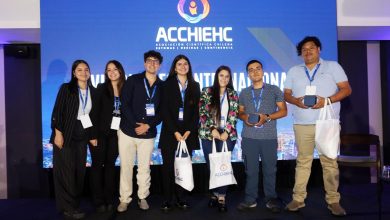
pixel 253 61
pixel 155 54
pixel 313 39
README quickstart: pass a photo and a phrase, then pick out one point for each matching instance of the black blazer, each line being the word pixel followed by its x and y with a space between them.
pixel 64 116
pixel 171 103
pixel 133 100
pixel 105 109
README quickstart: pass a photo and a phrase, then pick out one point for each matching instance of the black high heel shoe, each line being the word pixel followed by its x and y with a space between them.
pixel 213 202
pixel 222 206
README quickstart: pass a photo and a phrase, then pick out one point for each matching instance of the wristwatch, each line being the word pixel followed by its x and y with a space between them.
pixel 267 119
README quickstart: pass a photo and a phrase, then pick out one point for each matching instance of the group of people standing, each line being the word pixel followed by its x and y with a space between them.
pixel 120 117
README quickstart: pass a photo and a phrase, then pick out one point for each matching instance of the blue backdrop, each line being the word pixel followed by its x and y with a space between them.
pixel 210 33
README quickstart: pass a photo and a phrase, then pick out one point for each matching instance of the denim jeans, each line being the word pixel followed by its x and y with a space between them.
pixel 267 150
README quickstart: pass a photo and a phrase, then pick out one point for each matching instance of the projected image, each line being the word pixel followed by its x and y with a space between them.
pixel 210 33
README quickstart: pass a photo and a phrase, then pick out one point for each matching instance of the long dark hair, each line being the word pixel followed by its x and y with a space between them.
pixel 172 71
pixel 73 80
pixel 215 97
pixel 190 78
pixel 122 77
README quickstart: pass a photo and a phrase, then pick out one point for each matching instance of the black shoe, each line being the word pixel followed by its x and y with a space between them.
pixel 213 202
pixel 101 209
pixel 222 206
pixel 182 205
pixel 274 205
pixel 109 207
pixel 245 206
pixel 75 214
pixel 166 206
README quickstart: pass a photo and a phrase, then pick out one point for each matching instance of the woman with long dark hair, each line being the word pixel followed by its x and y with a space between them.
pixel 73 128
pixel 218 112
pixel 103 157
pixel 180 122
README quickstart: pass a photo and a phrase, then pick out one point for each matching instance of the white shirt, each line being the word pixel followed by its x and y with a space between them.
pixel 88 107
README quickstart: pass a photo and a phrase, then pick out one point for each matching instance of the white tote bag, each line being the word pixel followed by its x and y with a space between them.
pixel 327 135
pixel 221 171
pixel 183 167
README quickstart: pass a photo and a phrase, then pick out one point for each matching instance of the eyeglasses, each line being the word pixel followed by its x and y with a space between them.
pixel 252 70
pixel 152 61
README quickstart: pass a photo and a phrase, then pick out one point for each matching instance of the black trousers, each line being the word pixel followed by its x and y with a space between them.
pixel 104 184
pixel 170 188
pixel 69 171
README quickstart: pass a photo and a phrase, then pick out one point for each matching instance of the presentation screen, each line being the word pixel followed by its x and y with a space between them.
pixel 210 33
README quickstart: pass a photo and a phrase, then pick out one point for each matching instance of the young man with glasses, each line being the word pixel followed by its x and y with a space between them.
pixel 259 107
pixel 140 108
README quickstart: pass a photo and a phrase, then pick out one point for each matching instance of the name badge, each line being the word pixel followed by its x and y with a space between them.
pixel 311 90
pixel 222 122
pixel 86 121
pixel 181 114
pixel 116 121
pixel 150 110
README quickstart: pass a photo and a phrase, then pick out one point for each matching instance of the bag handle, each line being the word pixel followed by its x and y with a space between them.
pixel 213 148
pixel 224 147
pixel 327 112
pixel 181 148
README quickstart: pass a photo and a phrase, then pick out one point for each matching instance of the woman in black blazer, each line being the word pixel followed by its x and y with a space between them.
pixel 73 126
pixel 180 91
pixel 104 157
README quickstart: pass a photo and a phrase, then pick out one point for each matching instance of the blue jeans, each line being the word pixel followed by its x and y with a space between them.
pixel 207 149
pixel 267 150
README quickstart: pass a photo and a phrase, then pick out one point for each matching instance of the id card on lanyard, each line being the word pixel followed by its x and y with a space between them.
pixel 257 101
pixel 311 90
pixel 183 94
pixel 149 107
pixel 116 120
pixel 85 119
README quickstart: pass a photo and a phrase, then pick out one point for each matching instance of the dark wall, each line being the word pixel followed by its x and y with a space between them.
pixel 385 77
pixel 354 109
pixel 26 178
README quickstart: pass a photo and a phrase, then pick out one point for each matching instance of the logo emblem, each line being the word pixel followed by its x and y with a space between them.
pixel 223 167
pixel 193 16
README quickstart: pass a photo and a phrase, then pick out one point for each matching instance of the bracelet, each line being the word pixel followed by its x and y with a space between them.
pixel 268 119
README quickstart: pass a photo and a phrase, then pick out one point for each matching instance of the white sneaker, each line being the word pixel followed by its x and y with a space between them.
pixel 143 204
pixel 122 207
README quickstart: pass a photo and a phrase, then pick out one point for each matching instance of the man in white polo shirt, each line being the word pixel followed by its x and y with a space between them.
pixel 316 79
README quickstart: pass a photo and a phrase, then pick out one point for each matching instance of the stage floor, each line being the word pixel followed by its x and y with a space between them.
pixel 359 200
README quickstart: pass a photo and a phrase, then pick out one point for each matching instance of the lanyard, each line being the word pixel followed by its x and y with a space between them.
pixel 257 102
pixel 117 103
pixel 315 71
pixel 182 89
pixel 83 103
pixel 147 91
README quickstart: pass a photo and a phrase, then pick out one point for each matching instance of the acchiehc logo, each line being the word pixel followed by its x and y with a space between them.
pixel 193 16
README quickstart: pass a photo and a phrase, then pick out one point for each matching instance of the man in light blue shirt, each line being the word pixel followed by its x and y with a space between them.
pixel 319 79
